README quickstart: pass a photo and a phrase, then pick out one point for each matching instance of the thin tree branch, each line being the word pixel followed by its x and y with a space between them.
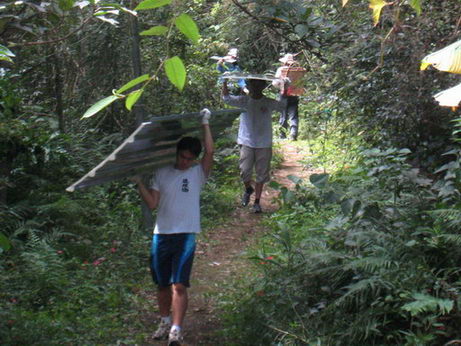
pixel 270 27
pixel 37 43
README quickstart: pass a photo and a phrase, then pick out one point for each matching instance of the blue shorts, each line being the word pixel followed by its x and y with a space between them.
pixel 171 258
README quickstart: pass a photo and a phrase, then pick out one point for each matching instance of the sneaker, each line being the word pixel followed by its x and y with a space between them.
pixel 162 331
pixel 257 208
pixel 174 338
pixel 246 197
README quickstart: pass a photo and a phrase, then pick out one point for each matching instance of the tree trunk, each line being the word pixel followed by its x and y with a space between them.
pixel 138 109
pixel 58 92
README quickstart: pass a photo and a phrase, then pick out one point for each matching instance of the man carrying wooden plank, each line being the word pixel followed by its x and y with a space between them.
pixel 255 137
pixel 175 192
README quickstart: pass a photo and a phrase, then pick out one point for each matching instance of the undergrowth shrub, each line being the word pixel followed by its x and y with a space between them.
pixel 368 256
pixel 77 269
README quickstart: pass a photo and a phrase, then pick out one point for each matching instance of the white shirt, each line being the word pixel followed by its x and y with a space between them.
pixel 255 128
pixel 179 205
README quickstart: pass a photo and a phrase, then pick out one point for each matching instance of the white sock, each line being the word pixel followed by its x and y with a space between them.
pixel 176 327
pixel 166 319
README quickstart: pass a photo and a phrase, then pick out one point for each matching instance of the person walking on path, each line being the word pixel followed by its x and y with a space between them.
pixel 175 193
pixel 230 64
pixel 254 137
pixel 290 113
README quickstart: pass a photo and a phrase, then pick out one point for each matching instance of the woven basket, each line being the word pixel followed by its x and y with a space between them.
pixel 295 74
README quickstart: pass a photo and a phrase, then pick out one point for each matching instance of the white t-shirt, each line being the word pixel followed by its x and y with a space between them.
pixel 179 205
pixel 255 128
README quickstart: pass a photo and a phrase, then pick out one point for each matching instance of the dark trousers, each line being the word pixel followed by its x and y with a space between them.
pixel 289 115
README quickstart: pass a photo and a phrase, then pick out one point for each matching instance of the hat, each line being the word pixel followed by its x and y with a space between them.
pixel 233 52
pixel 232 55
pixel 287 58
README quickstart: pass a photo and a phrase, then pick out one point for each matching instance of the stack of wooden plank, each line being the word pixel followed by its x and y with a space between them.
pixel 152 145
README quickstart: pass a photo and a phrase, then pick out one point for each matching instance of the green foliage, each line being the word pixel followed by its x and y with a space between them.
pixel 371 244
pixel 6 54
pixel 426 303
pixel 176 72
pixel 151 4
pixel 187 26
pixel 98 106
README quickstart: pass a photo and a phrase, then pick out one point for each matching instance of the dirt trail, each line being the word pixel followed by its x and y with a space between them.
pixel 219 256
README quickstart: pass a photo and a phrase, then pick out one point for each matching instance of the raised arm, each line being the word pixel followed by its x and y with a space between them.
pixel 207 159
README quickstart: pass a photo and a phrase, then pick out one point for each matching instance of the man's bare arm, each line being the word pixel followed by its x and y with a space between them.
pixel 207 159
pixel 151 197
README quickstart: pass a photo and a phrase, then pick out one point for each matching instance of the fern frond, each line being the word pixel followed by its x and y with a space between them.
pixel 453 239
pixel 426 303
pixel 371 264
pixel 363 291
pixel 450 217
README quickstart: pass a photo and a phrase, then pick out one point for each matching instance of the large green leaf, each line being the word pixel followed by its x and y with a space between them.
pixel 101 104
pixel 132 83
pixel 155 31
pixel 133 98
pixel 176 72
pixel 5 244
pixel 295 179
pixel 319 180
pixel 187 26
pixel 150 4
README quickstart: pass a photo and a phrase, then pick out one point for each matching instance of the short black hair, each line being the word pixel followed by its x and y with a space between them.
pixel 192 144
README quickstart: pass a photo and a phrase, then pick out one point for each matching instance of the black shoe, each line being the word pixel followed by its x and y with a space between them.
pixel 257 208
pixel 246 196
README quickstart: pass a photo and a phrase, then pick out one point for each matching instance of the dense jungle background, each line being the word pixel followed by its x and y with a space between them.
pixel 367 252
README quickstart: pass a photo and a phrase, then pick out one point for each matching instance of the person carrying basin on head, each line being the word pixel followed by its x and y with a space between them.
pixel 230 64
pixel 254 137
pixel 289 75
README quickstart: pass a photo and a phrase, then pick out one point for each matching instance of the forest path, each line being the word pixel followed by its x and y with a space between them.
pixel 220 256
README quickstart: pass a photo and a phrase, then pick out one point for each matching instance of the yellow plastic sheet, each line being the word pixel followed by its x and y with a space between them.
pixel 450 97
pixel 447 59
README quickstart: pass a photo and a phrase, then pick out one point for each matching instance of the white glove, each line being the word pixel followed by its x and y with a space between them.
pixel 206 115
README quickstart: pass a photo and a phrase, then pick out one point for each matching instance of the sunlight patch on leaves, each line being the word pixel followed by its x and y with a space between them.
pixel 377 6
pixel 6 54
